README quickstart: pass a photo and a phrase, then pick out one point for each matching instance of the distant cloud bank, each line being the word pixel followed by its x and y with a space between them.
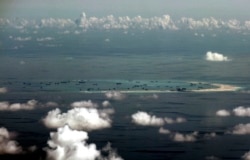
pixel 164 22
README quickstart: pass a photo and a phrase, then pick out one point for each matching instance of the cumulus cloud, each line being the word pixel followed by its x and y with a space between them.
pixel 223 113
pixel 6 106
pixel 29 105
pixel 145 119
pixel 84 104
pixel 241 129
pixel 246 156
pixel 71 144
pixel 179 137
pixel 177 120
pixel 106 103
pixel 218 57
pixel 3 90
pixel 87 119
pixel 164 131
pixel 242 111
pixel 116 95
pixel 8 146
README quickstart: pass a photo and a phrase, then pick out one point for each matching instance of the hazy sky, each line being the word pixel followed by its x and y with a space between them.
pixel 176 8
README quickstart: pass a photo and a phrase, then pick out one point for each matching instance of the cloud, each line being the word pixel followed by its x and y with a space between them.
pixel 164 131
pixel 241 129
pixel 8 146
pixel 242 111
pixel 106 103
pixel 223 113
pixel 3 90
pixel 179 137
pixel 30 105
pixel 87 119
pixel 177 120
pixel 115 95
pixel 71 144
pixel 246 156
pixel 112 154
pixel 218 57
pixel 144 119
pixel 111 22
pixel 84 104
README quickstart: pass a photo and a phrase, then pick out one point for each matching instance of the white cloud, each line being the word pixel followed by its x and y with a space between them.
pixel 112 154
pixel 164 131
pixel 116 95
pixel 79 118
pixel 179 137
pixel 210 135
pixel 210 56
pixel 144 119
pixel 246 156
pixel 68 144
pixel 177 120
pixel 241 129
pixel 3 90
pixel 223 113
pixel 164 22
pixel 242 111
pixel 8 146
pixel 30 105
pixel 106 103
pixel 84 104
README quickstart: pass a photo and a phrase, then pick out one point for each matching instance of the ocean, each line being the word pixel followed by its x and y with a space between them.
pixel 162 75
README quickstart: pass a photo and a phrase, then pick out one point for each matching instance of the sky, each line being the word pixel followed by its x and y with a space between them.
pixel 238 9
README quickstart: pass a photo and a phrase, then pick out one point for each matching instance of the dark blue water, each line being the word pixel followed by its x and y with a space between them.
pixel 61 69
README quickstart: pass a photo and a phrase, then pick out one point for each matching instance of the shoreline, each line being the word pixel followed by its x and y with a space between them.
pixel 219 88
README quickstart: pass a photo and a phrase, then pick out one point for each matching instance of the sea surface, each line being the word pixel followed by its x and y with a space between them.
pixel 77 67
